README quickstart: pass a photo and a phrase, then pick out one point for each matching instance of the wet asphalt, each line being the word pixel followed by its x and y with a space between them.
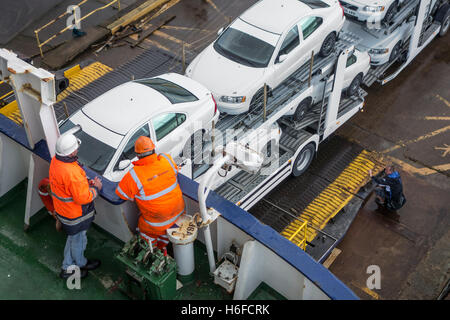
pixel 408 122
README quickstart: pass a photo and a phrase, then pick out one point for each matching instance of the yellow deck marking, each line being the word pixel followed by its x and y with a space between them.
pixel 446 149
pixel 7 94
pixel 443 100
pixel 420 171
pixel 168 37
pixel 156 43
pixel 336 196
pixel 425 136
pixel 371 293
pixel 165 8
pixel 366 290
pixel 78 78
pixel 184 28
pixel 437 118
pixel 216 8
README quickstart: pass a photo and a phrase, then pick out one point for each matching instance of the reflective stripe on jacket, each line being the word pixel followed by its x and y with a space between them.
pixel 72 196
pixel 152 183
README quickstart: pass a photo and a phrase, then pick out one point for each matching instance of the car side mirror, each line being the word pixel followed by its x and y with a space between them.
pixel 282 58
pixel 124 164
pixel 220 31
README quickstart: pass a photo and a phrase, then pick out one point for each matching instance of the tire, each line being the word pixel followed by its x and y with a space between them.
pixel 302 108
pixel 353 89
pixel 390 13
pixel 443 16
pixel 395 51
pixel 303 160
pixel 257 101
pixel 328 45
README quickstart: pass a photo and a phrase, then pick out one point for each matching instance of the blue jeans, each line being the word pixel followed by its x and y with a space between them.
pixel 74 250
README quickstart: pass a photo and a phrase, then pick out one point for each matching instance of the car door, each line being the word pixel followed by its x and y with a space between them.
pixel 288 57
pixel 171 132
pixel 126 151
pixel 351 70
pixel 312 35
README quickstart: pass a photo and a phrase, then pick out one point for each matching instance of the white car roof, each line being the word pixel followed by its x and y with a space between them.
pixel 122 107
pixel 275 15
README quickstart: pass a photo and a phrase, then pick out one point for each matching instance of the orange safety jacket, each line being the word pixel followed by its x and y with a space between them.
pixel 152 183
pixel 72 196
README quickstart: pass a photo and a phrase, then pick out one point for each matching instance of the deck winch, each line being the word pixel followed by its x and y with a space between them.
pixel 149 274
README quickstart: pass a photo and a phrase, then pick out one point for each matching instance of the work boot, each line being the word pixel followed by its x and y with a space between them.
pixel 92 265
pixel 379 203
pixel 64 274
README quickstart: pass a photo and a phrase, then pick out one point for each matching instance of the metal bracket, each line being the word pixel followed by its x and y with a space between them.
pixel 213 215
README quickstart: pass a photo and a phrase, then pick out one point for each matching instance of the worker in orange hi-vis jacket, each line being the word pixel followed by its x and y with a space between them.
pixel 73 196
pixel 152 183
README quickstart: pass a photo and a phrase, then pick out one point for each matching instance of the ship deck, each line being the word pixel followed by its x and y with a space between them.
pixel 30 261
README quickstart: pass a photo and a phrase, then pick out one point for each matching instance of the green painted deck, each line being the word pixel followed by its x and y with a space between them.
pixel 30 261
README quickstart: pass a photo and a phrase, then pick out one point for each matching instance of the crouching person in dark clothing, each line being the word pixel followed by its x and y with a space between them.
pixel 389 189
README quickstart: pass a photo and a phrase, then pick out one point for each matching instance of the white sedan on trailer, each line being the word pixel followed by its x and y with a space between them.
pixel 372 11
pixel 169 109
pixel 266 44
pixel 382 48
pixel 358 65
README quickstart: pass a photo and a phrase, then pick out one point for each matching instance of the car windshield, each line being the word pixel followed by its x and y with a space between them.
pixel 244 48
pixel 92 153
pixel 173 92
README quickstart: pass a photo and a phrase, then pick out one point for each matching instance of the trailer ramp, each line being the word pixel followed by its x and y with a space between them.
pixel 335 197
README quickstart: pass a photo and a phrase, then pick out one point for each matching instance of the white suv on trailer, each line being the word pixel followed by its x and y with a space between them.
pixel 265 45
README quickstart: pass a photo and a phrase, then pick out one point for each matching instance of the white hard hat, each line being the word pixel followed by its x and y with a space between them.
pixel 66 144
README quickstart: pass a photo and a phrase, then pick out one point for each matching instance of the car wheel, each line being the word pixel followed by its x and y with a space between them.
pixel 303 160
pixel 443 16
pixel 257 101
pixel 396 51
pixel 390 13
pixel 302 108
pixel 328 45
pixel 353 89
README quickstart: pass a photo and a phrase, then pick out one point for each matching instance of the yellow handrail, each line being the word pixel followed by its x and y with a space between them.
pixel 40 45
pixel 302 242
